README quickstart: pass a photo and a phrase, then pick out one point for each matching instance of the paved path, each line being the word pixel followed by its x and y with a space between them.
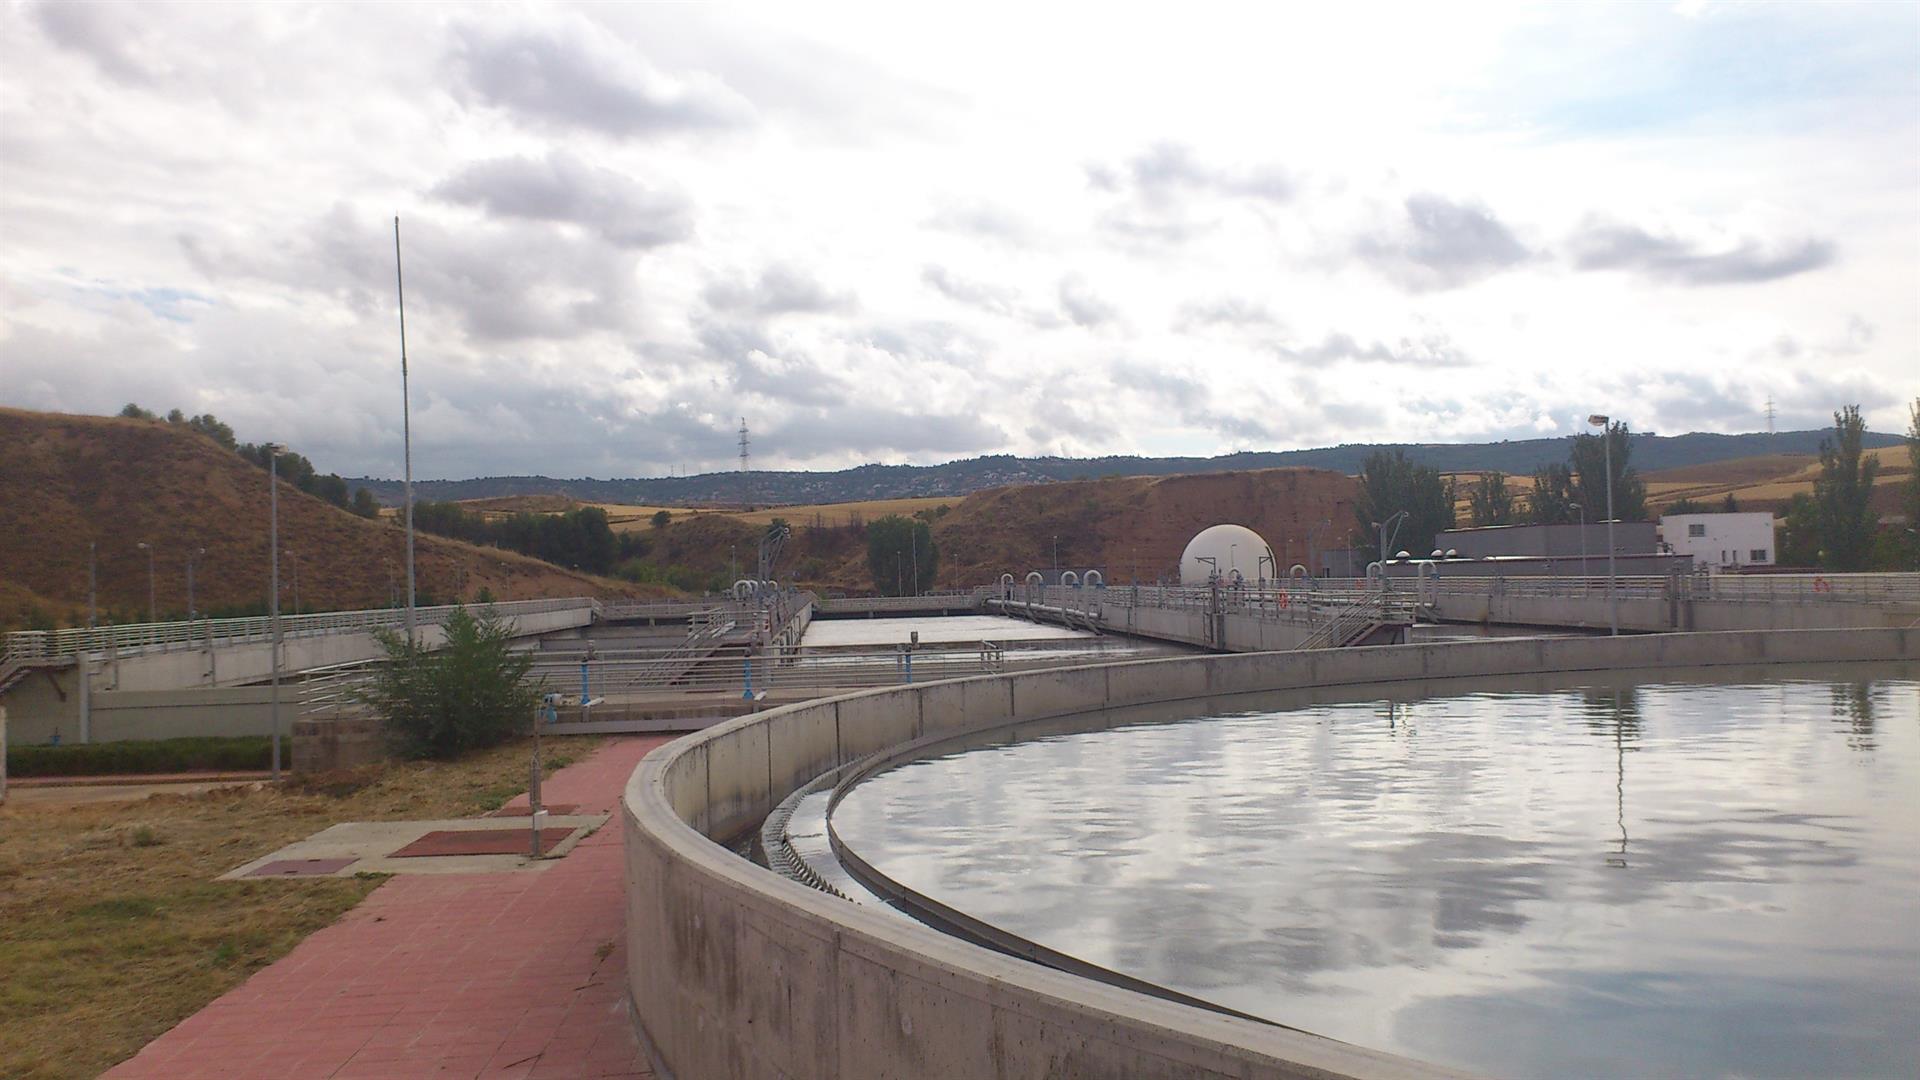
pixel 509 974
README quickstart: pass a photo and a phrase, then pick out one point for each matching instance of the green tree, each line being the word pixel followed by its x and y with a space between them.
pixel 470 693
pixel 1489 501
pixel 1553 500
pixel 896 547
pixel 1589 461
pixel 1730 505
pixel 135 412
pixel 1910 491
pixel 210 426
pixel 365 504
pixel 1685 506
pixel 1389 483
pixel 1841 493
pixel 661 518
pixel 1798 542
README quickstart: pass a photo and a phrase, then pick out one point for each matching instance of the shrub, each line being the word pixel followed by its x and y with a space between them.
pixel 245 753
pixel 470 693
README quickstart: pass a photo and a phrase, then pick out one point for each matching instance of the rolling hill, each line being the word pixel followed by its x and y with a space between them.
pixel 957 478
pixel 67 481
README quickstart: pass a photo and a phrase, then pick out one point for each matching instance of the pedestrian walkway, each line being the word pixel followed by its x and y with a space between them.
pixel 467 975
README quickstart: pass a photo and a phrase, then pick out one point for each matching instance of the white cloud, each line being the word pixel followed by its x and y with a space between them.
pixel 625 227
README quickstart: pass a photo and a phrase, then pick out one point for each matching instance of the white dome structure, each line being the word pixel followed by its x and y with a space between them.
pixel 1223 549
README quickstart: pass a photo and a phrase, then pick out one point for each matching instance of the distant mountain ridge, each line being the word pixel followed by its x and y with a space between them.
pixel 958 478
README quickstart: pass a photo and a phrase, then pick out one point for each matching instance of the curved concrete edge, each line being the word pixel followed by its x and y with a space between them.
pixel 737 972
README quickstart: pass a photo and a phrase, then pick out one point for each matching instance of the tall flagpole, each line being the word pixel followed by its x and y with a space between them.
pixel 406 422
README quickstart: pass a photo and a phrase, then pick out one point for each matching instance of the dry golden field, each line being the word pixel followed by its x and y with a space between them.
pixel 628 516
pixel 1756 483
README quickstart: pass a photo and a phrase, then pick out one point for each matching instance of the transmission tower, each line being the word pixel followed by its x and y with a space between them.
pixel 746 486
pixel 1769 422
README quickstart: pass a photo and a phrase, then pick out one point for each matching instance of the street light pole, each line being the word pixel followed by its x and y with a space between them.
pixel 91 582
pixel 148 548
pixel 406 423
pixel 273 588
pixel 1605 424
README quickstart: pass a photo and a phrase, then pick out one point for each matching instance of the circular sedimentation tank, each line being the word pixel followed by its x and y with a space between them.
pixel 1390 850
pixel 1537 878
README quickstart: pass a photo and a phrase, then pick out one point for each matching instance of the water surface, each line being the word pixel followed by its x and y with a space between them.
pixel 1670 878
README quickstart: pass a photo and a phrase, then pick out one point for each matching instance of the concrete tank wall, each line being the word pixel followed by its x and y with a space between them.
pixel 739 972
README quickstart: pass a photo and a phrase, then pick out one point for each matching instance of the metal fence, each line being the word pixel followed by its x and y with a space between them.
pixel 204 633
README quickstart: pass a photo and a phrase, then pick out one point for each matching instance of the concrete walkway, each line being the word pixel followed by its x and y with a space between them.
pixel 468 975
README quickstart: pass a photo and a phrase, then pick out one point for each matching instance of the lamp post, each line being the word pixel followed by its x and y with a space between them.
pixel 293 561
pixel 148 548
pixel 406 430
pixel 192 554
pixel 1056 554
pixel 1395 520
pixel 91 608
pixel 1604 423
pixel 273 588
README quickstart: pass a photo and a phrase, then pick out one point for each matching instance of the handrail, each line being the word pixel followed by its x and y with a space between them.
pixel 201 633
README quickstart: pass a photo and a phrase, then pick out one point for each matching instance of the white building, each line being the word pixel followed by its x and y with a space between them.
pixel 1721 540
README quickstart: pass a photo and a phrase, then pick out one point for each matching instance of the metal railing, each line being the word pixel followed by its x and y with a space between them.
pixel 204 633
pixel 332 689
pixel 728 670
pixel 931 601
pixel 1885 588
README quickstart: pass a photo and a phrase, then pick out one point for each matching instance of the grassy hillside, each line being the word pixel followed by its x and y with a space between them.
pixel 66 481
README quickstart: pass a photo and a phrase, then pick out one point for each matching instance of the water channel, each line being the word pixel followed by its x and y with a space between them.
pixel 1703 873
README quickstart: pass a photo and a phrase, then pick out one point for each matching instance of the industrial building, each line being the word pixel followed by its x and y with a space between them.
pixel 1721 541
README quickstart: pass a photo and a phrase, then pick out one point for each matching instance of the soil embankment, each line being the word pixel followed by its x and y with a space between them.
pixel 67 481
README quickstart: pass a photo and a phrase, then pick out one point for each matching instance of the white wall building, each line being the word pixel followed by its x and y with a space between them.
pixel 1721 540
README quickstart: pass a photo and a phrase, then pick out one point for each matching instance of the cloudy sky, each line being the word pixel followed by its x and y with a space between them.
pixel 904 233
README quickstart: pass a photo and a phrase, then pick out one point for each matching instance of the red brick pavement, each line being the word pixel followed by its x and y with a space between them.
pixel 467 975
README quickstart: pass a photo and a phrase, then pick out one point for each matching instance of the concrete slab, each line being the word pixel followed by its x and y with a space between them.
pixel 303 868
pixel 370 847
pixel 442 843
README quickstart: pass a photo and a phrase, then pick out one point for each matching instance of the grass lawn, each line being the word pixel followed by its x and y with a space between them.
pixel 112 929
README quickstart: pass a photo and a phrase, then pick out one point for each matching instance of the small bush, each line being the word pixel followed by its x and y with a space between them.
pixel 242 753
pixel 468 694
pixel 144 836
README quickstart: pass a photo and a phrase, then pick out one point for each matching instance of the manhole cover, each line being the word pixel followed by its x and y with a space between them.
pixel 481 842
pixel 300 868
pixel 554 808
